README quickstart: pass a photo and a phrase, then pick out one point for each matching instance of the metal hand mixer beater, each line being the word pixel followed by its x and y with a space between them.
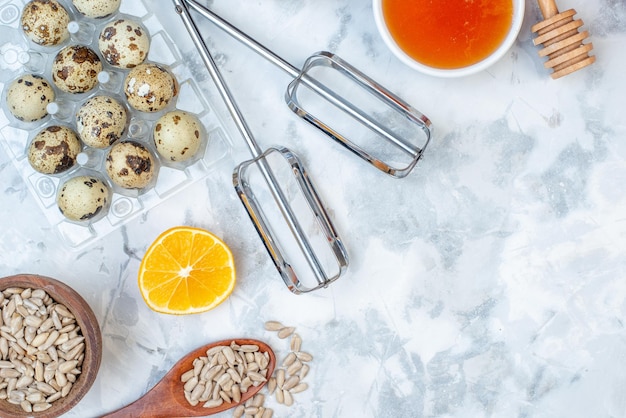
pixel 335 256
pixel 409 142
pixel 324 268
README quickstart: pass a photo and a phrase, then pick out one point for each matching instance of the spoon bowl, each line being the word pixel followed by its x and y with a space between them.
pixel 167 398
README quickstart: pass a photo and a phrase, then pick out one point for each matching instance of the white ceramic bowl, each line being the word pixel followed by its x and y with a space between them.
pixel 509 40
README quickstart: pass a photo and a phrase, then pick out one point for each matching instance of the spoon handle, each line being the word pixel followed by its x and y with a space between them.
pixel 153 404
pixel 548 8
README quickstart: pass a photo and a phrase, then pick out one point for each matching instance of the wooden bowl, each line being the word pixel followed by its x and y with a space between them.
pixel 85 318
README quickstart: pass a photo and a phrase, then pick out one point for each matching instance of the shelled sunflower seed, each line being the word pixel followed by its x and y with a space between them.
pixel 287 378
pixel 225 374
pixel 41 349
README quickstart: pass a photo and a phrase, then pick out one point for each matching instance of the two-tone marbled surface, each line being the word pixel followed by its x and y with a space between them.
pixel 488 283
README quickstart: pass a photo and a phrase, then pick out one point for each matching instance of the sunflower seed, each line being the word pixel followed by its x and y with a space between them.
pixel 288 397
pixel 280 397
pixel 26 406
pixel 68 366
pixel 296 343
pixel 251 410
pixel 229 354
pixel 213 403
pixel 304 371
pixel 285 332
pixel 23 382
pixel 239 411
pixel 225 396
pixel 271 385
pixel 256 377
pixel 246 382
pixel 273 326
pixel 295 367
pixel 53 397
pixel 191 384
pixel 291 382
pixel 291 357
pixel 300 387
pixel 258 400
pixel 186 376
pixel 66 389
pixel 280 378
pixel 206 394
pixel 236 393
pixel 60 378
pixel 197 392
pixel 304 356
pixel 234 375
pixel 42 406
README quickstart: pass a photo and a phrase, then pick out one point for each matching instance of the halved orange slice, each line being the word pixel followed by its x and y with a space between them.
pixel 186 270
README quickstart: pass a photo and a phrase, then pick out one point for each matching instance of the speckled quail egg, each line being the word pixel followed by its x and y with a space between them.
pixel 101 121
pixel 130 165
pixel 124 43
pixel 97 9
pixel 83 198
pixel 54 150
pixel 45 22
pixel 178 135
pixel 150 87
pixel 75 69
pixel 28 97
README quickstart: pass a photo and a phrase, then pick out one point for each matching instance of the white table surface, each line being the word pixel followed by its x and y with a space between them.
pixel 488 283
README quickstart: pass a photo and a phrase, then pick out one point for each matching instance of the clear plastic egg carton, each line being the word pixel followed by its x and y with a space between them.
pixel 20 56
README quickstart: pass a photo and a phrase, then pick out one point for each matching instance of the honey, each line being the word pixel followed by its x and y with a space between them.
pixel 448 34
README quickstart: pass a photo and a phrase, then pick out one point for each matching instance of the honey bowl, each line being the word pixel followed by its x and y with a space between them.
pixel 50 347
pixel 449 38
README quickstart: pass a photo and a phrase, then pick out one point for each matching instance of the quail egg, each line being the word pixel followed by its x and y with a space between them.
pixel 178 135
pixel 124 43
pixel 75 69
pixel 97 9
pixel 28 97
pixel 54 150
pixel 83 198
pixel 150 88
pixel 130 165
pixel 45 22
pixel 101 121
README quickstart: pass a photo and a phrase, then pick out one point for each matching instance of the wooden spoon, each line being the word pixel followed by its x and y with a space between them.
pixel 562 43
pixel 167 399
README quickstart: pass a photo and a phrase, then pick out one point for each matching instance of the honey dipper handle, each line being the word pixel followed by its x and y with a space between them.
pixel 548 8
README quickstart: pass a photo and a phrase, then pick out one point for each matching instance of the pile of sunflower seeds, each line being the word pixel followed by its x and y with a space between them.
pixel 224 374
pixel 286 380
pixel 41 349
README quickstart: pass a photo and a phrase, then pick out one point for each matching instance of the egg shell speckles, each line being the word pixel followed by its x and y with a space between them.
pixel 150 87
pixel 178 135
pixel 54 150
pixel 45 22
pixel 101 121
pixel 130 165
pixel 97 9
pixel 124 43
pixel 75 69
pixel 29 96
pixel 83 198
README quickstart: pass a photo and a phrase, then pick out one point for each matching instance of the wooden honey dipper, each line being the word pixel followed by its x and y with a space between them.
pixel 562 43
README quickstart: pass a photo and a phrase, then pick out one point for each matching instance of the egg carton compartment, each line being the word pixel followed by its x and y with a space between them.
pixel 19 56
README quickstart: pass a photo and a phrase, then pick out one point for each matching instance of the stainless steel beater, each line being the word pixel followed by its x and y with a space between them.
pixel 327 260
pixel 408 147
